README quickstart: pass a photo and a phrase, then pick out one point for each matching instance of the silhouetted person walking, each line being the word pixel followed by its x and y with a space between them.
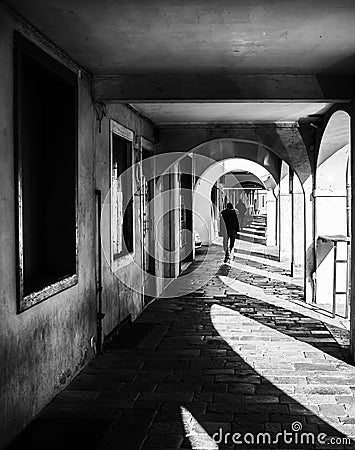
pixel 242 210
pixel 229 230
pixel 256 206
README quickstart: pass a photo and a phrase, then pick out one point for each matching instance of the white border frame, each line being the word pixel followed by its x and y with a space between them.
pixel 125 133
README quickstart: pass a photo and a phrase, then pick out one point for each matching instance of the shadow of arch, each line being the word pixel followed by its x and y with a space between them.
pixel 235 407
pixel 256 306
pixel 182 361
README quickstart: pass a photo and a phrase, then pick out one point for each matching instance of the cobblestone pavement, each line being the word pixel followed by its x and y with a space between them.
pixel 207 363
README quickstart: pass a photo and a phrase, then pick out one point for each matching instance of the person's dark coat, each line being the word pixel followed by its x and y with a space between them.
pixel 229 222
pixel 241 208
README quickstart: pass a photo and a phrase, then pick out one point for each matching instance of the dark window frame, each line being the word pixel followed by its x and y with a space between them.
pixel 23 48
pixel 146 153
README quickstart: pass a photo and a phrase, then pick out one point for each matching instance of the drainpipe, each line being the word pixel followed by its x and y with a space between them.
pixel 100 314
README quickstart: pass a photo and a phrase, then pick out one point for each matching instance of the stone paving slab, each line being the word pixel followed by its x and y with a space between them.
pixel 214 363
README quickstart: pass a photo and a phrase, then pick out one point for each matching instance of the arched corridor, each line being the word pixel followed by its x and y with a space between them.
pixel 176 225
pixel 207 214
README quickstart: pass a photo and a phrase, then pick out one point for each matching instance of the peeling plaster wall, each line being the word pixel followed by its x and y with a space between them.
pixel 122 293
pixel 42 348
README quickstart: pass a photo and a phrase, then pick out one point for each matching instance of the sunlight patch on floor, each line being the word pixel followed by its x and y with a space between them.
pixel 259 259
pixel 252 247
pixel 280 358
pixel 306 309
pixel 197 435
pixel 264 273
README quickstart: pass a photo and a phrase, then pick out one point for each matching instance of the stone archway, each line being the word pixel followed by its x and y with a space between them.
pixel 202 208
pixel 332 215
pixel 242 144
pixel 283 142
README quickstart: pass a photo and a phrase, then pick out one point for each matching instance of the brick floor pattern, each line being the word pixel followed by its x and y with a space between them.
pixel 219 361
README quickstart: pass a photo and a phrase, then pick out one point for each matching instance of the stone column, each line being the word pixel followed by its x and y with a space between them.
pixel 298 226
pixel 170 219
pixel 202 202
pixel 271 212
pixel 175 228
pixel 309 240
pixel 285 216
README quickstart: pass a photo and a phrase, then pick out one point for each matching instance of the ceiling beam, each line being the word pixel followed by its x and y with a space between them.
pixel 223 88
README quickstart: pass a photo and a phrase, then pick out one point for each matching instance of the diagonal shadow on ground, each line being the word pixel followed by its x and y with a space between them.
pixel 259 254
pixel 289 322
pixel 185 360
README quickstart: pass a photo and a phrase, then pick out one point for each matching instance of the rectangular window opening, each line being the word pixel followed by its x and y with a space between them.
pixel 46 147
pixel 122 221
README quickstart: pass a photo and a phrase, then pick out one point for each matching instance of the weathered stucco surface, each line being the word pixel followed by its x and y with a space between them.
pixel 118 299
pixel 42 348
pixel 45 346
